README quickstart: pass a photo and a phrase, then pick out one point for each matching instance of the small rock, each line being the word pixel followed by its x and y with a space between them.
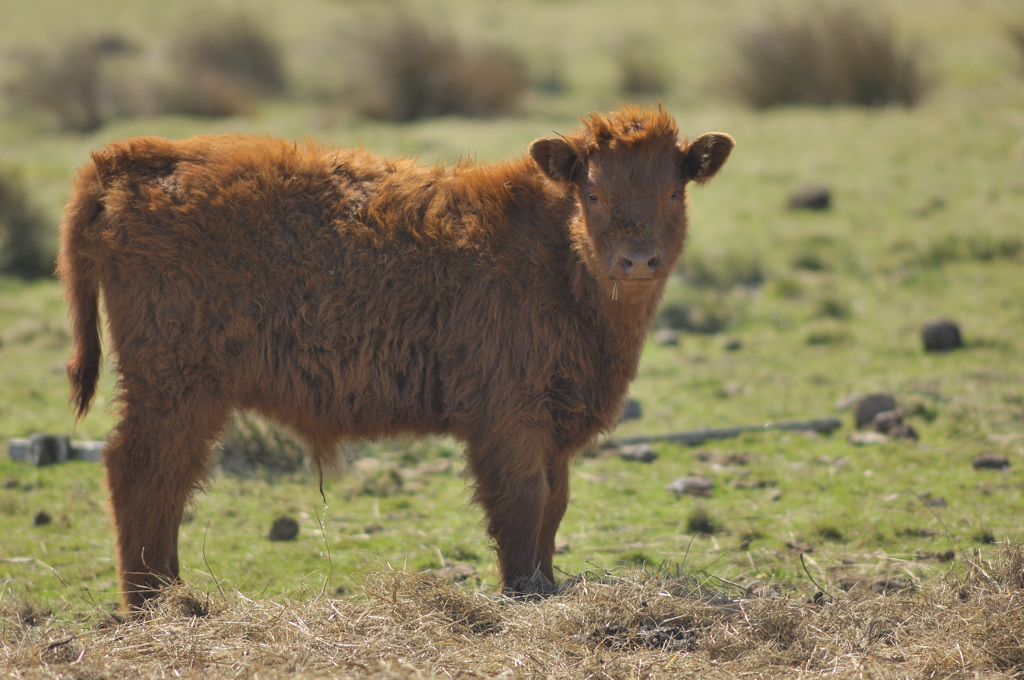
pixel 631 411
pixel 47 449
pixel 762 589
pixel 867 438
pixel 800 546
pixel 456 572
pixel 667 338
pixel 890 423
pixel 848 401
pixel 696 485
pixel 284 529
pixel 941 336
pixel 733 345
pixel 41 518
pixel 991 461
pixel 870 406
pixel 814 197
pixel 641 453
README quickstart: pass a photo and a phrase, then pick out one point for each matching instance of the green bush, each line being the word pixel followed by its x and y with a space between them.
pixel 829 54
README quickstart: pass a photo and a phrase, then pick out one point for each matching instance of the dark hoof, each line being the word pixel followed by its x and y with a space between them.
pixel 532 587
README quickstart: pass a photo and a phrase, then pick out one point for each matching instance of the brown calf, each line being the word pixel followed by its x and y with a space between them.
pixel 352 296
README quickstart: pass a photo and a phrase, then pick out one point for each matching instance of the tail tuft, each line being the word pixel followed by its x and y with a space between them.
pixel 81 287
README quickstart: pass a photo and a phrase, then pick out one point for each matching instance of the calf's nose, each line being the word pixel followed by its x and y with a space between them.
pixel 637 264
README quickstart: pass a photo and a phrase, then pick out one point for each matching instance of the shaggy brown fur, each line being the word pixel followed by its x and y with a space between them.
pixel 351 296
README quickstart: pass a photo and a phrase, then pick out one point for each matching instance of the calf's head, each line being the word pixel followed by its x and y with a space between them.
pixel 628 174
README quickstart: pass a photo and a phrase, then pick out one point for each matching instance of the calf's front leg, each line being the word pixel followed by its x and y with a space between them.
pixel 513 487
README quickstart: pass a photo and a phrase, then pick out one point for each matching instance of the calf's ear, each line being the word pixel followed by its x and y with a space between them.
pixel 706 156
pixel 556 159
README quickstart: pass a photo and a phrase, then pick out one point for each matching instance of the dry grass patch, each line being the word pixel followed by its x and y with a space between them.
pixel 641 624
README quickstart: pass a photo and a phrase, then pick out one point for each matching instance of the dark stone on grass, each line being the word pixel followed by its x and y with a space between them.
pixel 640 453
pixel 991 461
pixel 667 338
pixel 814 197
pixel 870 406
pixel 734 345
pixel 890 423
pixel 941 336
pixel 455 572
pixel 696 485
pixel 867 438
pixel 631 411
pixel 41 518
pixel 47 449
pixel 284 529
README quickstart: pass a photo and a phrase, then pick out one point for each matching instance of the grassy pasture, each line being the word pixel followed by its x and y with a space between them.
pixel 927 222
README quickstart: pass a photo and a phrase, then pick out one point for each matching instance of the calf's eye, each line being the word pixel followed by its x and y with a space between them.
pixel 592 198
pixel 674 196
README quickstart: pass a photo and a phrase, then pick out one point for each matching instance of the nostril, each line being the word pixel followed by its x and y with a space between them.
pixel 652 263
pixel 627 264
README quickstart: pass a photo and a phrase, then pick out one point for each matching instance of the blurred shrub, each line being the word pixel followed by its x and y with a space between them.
pixel 831 53
pixel 222 68
pixel 722 271
pixel 825 333
pixel 1016 35
pixel 944 249
pixel 64 85
pixel 833 307
pixel 412 72
pixel 701 311
pixel 217 70
pixel 22 232
pixel 641 69
pixel 250 445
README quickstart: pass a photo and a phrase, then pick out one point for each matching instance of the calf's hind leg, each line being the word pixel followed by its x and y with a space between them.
pixel 554 509
pixel 155 460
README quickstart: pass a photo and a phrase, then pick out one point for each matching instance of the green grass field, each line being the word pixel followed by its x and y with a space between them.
pixel 927 222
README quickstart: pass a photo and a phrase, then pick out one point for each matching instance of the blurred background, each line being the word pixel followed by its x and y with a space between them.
pixel 876 186
pixel 880 144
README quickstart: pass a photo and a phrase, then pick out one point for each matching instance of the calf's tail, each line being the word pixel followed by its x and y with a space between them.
pixel 77 269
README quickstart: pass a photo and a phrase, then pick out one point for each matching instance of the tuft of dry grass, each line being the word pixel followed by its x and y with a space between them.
pixel 640 624
pixel 829 54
